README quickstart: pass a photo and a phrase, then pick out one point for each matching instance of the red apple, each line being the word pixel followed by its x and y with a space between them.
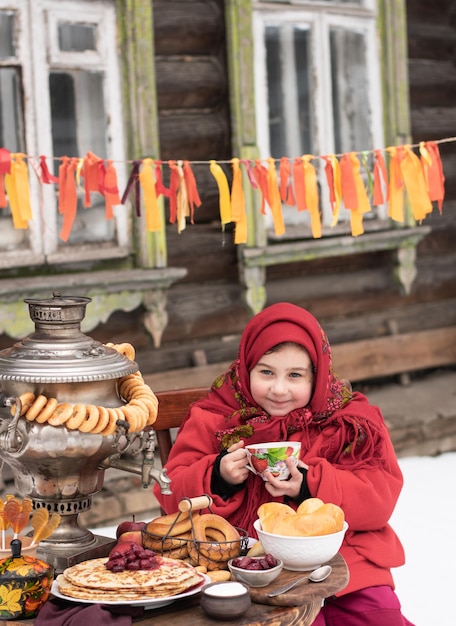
pixel 131 536
pixel 129 525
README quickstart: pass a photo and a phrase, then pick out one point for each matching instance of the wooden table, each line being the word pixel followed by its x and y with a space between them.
pixel 299 606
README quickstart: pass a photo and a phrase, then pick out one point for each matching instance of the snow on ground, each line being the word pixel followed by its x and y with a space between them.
pixel 425 520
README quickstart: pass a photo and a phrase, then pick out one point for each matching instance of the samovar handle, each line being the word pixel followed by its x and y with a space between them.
pixel 12 441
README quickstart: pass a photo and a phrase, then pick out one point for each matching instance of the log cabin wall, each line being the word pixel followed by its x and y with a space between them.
pixel 354 297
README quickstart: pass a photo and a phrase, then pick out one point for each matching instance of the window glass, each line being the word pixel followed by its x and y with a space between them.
pixel 76 37
pixel 6 34
pixel 350 98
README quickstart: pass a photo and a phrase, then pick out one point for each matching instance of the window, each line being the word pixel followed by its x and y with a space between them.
pixel 317 89
pixel 60 95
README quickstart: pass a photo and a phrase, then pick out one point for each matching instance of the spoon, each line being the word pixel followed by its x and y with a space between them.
pixel 317 576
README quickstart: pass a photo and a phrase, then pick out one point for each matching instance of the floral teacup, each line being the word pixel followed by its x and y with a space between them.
pixel 271 457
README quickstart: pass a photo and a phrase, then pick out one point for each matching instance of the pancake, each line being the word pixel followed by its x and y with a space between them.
pixel 91 580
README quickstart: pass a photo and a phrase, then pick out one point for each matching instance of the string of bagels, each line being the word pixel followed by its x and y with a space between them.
pixel 140 410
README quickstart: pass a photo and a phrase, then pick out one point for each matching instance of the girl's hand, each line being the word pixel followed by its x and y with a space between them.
pixel 233 465
pixel 290 487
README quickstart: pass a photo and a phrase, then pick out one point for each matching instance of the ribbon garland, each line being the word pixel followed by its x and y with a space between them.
pixel 283 181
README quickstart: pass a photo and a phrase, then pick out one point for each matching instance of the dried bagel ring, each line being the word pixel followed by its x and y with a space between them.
pixel 36 408
pixel 47 411
pixel 27 400
pixel 126 349
pixel 132 417
pixel 78 416
pixel 61 415
pixel 110 428
pixel 103 420
pixel 170 525
pixel 91 419
pixel 224 550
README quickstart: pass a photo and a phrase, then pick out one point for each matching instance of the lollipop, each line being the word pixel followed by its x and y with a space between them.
pixel 17 513
pixel 43 525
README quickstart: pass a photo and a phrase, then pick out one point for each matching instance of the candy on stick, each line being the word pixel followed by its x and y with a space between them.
pixel 43 525
pixel 4 522
pixel 18 513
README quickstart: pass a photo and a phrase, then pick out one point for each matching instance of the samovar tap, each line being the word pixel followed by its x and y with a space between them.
pixel 10 439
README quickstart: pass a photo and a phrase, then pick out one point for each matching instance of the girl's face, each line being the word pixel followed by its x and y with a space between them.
pixel 282 380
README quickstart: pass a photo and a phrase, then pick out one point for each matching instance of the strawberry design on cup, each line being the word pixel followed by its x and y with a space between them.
pixel 271 457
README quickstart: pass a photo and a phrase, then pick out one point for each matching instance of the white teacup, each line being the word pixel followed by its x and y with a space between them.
pixel 271 456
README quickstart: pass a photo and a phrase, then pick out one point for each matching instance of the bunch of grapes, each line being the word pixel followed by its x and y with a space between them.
pixel 133 559
pixel 256 563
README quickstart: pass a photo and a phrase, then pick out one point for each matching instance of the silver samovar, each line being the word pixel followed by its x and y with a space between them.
pixel 55 467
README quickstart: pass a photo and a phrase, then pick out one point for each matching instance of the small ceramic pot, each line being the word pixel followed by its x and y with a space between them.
pixel 26 582
pixel 225 600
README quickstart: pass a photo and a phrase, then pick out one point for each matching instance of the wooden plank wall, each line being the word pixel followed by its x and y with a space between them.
pixel 355 298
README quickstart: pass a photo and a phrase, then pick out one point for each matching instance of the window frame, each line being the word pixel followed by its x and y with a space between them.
pixel 319 17
pixel 37 56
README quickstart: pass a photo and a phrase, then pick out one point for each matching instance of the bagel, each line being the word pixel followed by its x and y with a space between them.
pixel 27 399
pixel 103 420
pixel 78 416
pixel 111 426
pixel 61 415
pixel 38 405
pixel 91 419
pixel 213 553
pixel 167 544
pixel 126 349
pixel 170 525
pixel 47 411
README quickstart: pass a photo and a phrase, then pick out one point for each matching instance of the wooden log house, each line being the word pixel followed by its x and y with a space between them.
pixel 189 87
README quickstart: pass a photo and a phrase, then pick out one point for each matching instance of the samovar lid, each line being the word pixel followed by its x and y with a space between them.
pixel 58 352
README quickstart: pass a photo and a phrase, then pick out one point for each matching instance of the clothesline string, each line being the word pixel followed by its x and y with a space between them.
pixel 276 160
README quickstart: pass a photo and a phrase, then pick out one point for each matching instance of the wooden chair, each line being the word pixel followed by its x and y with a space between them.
pixel 172 408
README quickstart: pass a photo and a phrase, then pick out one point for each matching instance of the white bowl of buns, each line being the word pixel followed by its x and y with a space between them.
pixel 303 539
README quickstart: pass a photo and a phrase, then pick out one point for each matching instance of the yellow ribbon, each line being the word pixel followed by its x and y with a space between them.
pixel 238 212
pixel 224 192
pixel 147 182
pixel 356 214
pixel 18 190
pixel 274 198
pixel 311 193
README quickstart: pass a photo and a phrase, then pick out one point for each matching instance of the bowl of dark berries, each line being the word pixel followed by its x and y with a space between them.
pixel 256 571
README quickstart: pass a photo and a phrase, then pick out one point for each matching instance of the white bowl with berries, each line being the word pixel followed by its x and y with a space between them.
pixel 256 571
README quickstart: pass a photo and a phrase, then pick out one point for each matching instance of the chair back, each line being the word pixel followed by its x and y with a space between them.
pixel 172 408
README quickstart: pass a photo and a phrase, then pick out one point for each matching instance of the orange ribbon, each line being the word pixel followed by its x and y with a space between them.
pixel 380 174
pixel 286 188
pixel 433 172
pixel 353 192
pixel 415 184
pixel 192 190
pixel 333 179
pixel 68 197
pixel 261 176
pixel 395 187
pixel 5 168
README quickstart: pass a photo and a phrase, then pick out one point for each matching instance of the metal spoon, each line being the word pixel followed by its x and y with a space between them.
pixel 317 576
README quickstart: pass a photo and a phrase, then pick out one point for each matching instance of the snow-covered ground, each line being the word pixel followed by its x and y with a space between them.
pixel 425 520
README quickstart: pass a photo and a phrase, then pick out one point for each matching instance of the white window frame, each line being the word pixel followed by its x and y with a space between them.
pixel 318 17
pixel 37 53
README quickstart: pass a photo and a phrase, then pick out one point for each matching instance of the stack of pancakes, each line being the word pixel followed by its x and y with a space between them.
pixel 90 580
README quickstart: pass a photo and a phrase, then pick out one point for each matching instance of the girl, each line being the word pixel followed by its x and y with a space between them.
pixel 282 387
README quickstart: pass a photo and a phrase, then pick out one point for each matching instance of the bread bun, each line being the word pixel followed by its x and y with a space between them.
pixel 309 506
pixel 312 518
